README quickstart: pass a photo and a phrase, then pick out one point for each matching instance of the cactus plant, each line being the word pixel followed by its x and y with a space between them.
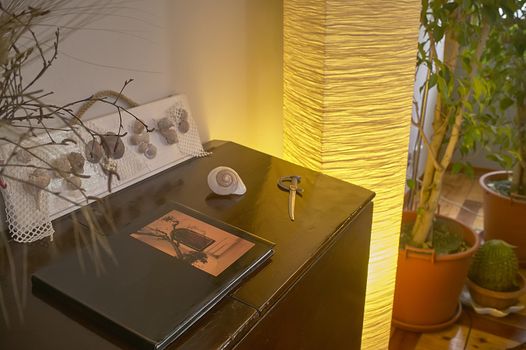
pixel 495 267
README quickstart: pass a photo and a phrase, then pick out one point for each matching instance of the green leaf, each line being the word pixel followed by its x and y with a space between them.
pixel 507 161
pixel 496 158
pixel 451 6
pixel 432 81
pixel 468 140
pixel 442 87
pixel 421 52
pixel 438 33
pixel 446 241
pixel 466 64
pixel 505 103
pixel 411 183
pixel 478 88
pixel 456 168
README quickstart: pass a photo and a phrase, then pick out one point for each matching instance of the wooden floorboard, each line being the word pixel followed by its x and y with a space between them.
pixel 462 337
pixel 462 199
pixel 403 340
pixel 513 330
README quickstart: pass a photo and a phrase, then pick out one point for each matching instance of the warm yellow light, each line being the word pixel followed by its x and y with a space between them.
pixel 348 84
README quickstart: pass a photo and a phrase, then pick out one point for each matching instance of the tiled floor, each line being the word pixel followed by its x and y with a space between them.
pixel 462 199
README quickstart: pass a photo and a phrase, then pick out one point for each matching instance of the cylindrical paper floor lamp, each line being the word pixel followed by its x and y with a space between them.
pixel 348 84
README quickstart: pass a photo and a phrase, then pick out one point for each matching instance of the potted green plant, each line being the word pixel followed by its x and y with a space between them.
pixel 503 125
pixel 494 278
pixel 435 251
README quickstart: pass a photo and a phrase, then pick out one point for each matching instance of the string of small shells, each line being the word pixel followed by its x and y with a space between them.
pixel 68 167
pixel 141 139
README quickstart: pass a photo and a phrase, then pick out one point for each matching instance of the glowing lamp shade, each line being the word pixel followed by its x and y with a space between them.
pixel 348 85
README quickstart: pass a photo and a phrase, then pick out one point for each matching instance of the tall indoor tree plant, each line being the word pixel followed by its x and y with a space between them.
pixel 465 30
pixel 503 124
pixel 436 251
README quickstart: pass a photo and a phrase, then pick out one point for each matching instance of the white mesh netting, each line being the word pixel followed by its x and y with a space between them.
pixel 29 215
pixel 189 142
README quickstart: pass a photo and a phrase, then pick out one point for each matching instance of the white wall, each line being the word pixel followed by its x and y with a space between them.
pixel 225 55
pixel 121 42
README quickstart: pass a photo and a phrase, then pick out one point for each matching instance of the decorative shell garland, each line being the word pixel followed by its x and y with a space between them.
pixel 165 123
pixel 73 183
pixel 137 139
pixel 76 161
pixel 93 152
pixel 23 156
pixel 183 126
pixel 183 114
pixel 138 127
pixel 113 145
pixel 141 139
pixel 142 147
pixel 170 135
pixel 168 130
pixel 62 166
pixel 150 151
pixel 224 181
pixel 36 182
pixel 182 121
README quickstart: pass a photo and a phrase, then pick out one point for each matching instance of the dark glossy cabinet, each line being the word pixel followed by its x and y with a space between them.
pixel 309 296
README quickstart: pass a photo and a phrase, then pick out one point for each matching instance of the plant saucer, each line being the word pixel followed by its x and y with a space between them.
pixel 465 298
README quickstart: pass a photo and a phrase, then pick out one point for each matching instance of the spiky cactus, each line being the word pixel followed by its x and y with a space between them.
pixel 495 267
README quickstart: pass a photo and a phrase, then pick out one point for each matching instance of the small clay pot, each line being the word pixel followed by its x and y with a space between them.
pixel 497 300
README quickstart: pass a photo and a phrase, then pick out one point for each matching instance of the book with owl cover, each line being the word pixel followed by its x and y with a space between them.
pixel 163 274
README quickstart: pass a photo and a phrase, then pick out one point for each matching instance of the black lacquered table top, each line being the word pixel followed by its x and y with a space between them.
pixel 325 207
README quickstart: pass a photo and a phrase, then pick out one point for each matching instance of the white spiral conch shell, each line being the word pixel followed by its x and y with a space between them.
pixel 224 181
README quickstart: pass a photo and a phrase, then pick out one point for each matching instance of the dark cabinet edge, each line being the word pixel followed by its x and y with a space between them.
pixel 316 256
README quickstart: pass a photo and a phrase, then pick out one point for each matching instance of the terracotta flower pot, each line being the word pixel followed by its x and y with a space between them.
pixel 428 286
pixel 497 300
pixel 504 217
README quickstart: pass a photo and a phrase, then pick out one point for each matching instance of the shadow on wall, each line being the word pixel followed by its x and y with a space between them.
pixel 117 42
